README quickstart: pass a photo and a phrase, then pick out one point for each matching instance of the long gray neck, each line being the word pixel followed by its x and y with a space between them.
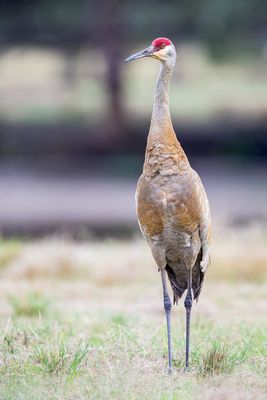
pixel 161 113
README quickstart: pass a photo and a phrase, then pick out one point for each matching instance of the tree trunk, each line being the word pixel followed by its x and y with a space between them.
pixel 112 46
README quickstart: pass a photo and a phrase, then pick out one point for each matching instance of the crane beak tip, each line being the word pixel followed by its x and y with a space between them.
pixel 131 58
pixel 141 54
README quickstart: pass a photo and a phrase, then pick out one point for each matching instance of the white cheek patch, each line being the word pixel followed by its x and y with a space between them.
pixel 166 50
pixel 163 53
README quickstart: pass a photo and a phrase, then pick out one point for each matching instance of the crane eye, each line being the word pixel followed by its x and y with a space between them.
pixel 162 45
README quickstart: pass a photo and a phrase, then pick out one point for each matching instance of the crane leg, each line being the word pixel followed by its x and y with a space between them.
pixel 188 305
pixel 167 307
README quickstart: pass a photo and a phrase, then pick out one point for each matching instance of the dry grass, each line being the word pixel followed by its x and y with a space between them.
pixel 240 254
pixel 237 254
pixel 102 333
pixel 48 258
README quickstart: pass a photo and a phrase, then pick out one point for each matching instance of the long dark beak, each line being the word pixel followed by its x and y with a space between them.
pixel 144 53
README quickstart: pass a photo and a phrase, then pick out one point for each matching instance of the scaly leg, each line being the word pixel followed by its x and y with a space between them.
pixel 188 305
pixel 167 307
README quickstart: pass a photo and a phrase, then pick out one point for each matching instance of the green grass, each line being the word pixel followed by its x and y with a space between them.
pixel 221 358
pixel 112 360
pixel 102 334
pixel 59 358
pixel 9 250
pixel 31 305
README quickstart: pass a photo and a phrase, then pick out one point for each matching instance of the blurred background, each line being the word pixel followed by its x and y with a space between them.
pixel 79 289
pixel 74 118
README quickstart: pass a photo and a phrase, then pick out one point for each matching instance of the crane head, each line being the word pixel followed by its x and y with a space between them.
pixel 160 49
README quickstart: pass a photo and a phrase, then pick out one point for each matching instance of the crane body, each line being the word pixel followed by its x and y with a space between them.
pixel 172 206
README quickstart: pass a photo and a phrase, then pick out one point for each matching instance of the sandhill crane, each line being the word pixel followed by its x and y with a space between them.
pixel 172 206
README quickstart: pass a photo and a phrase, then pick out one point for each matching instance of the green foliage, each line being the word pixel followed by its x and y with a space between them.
pixel 9 343
pixel 9 250
pixel 58 354
pixel 109 342
pixel 31 305
pixel 60 358
pixel 221 24
pixel 225 26
pixel 220 358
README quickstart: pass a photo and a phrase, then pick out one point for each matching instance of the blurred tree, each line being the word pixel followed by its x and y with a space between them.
pixel 224 26
pixel 111 45
pixel 235 24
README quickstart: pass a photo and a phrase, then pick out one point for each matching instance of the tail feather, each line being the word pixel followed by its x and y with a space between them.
pixel 197 290
pixel 177 290
pixel 199 277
